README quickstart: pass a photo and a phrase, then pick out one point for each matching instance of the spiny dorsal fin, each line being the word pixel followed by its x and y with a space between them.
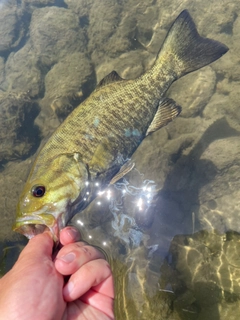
pixel 111 77
pixel 166 112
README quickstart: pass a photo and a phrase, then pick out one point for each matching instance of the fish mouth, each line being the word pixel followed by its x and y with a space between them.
pixel 30 226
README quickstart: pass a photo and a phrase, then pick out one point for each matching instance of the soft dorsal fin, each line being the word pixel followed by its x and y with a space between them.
pixel 111 77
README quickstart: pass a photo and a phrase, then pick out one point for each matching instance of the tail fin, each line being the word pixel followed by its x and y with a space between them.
pixel 186 49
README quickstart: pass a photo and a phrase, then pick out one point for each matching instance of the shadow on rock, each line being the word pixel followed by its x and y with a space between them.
pixel 191 173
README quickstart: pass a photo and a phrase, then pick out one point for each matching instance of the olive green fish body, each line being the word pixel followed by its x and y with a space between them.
pixel 101 134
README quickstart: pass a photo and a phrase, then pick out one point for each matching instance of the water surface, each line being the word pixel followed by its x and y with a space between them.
pixel 171 227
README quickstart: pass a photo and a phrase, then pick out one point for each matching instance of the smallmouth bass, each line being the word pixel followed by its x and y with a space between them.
pixel 95 141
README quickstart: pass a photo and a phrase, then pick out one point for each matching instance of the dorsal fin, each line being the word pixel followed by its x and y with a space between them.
pixel 111 77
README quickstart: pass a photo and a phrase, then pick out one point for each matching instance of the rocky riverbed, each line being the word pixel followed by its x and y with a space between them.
pixel 52 55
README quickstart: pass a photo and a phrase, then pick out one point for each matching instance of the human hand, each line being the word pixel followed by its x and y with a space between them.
pixel 33 288
pixel 89 290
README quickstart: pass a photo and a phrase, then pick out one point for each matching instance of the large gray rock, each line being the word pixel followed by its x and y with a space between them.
pixel 18 137
pixel 194 91
pixel 205 267
pixel 67 83
pixel 219 198
pixel 12 22
pixel 55 33
pixel 3 85
pixel 81 8
pixel 23 74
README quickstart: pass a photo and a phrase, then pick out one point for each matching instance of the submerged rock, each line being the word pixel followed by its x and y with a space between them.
pixel 81 8
pixel 104 18
pixel 38 3
pixel 23 75
pixel 126 70
pixel 18 137
pixel 67 83
pixel 12 22
pixel 2 75
pixel 51 39
pixel 219 198
pixel 194 92
pixel 206 270
pixel 194 161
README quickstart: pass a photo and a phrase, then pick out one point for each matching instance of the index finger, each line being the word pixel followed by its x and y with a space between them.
pixel 69 235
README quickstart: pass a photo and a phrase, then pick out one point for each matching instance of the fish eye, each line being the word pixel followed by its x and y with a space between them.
pixel 38 191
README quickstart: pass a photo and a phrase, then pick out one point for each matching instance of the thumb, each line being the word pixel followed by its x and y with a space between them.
pixel 38 247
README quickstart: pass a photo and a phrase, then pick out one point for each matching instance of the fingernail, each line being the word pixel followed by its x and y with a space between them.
pixel 68 257
pixel 68 288
pixel 74 233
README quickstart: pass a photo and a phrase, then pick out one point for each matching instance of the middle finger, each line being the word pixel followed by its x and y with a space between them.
pixel 73 256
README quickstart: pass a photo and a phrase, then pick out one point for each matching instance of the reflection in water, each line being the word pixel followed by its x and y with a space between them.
pixel 205 267
pixel 125 226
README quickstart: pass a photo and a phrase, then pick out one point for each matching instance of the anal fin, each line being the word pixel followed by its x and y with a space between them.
pixel 167 111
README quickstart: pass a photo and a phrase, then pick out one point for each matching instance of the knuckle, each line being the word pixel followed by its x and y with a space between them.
pixel 87 251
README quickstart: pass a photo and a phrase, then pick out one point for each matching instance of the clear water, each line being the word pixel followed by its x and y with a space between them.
pixel 171 228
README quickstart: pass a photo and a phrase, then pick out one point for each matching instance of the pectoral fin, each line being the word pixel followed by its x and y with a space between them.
pixel 127 167
pixel 167 111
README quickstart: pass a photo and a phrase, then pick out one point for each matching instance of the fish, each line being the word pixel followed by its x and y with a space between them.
pixel 93 146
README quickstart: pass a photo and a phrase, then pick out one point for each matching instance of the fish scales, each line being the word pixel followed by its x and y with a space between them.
pixel 109 113
pixel 99 136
